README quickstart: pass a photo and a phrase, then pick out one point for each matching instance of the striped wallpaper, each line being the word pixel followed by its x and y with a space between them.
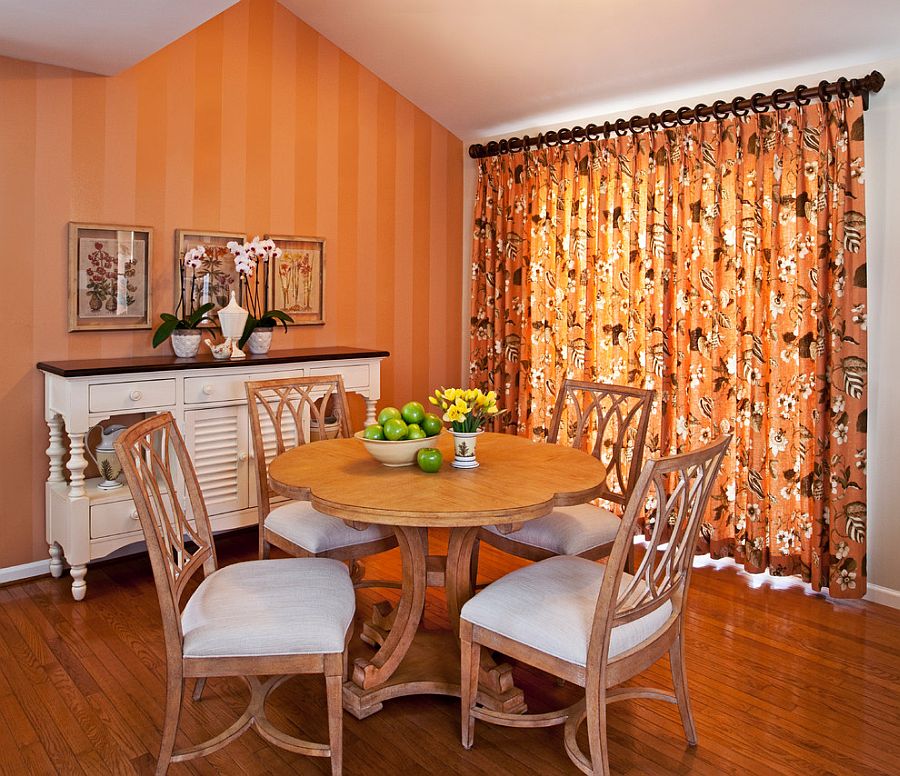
pixel 252 122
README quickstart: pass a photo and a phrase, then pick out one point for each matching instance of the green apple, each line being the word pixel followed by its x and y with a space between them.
pixel 415 432
pixel 429 459
pixel 375 431
pixel 431 424
pixel 395 429
pixel 388 413
pixel 413 412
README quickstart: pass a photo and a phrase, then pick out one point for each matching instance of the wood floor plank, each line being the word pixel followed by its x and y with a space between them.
pixel 782 682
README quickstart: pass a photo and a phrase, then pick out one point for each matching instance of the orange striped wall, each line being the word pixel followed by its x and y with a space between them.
pixel 252 122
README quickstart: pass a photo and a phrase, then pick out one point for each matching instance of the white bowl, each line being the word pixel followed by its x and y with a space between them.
pixel 399 453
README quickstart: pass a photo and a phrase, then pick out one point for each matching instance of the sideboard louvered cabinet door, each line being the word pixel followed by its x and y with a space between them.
pixel 217 440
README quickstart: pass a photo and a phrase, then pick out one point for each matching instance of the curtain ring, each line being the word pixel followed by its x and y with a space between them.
pixel 565 136
pixel 717 110
pixel 633 125
pixel 736 107
pixel 621 127
pixel 592 132
pixel 755 101
pixel 698 113
pixel 476 151
pixel 776 99
pixel 824 96
pixel 551 139
pixel 843 91
pixel 515 144
pixel 798 95
pixel 578 134
pixel 493 148
pixel 653 122
pixel 607 129
pixel 682 119
pixel 668 116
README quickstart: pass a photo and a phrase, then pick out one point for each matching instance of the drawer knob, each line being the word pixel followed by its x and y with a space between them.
pixel 136 395
pixel 208 389
pixel 134 514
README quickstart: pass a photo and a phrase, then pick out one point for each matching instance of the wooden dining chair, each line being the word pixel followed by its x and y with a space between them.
pixel 594 624
pixel 262 618
pixel 610 422
pixel 295 411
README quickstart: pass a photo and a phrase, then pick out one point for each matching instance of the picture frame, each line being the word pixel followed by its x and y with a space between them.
pixel 298 279
pixel 110 277
pixel 216 278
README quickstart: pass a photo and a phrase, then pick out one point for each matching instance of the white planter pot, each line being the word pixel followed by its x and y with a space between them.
pixel 260 340
pixel 464 449
pixel 185 342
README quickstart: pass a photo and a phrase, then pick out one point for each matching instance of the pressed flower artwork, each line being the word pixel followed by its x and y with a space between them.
pixel 109 271
pixel 298 278
pixel 215 277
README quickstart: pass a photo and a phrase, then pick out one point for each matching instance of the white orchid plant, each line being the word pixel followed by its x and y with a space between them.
pixel 191 316
pixel 253 262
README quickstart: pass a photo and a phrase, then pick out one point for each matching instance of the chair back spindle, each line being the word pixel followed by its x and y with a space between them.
pixel 608 421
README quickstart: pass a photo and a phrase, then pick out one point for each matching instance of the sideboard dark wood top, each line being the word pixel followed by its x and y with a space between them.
pixel 113 366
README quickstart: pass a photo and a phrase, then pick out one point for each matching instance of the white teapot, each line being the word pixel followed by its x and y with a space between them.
pixel 104 455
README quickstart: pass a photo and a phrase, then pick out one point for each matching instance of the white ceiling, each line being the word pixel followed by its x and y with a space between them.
pixel 491 67
pixel 98 36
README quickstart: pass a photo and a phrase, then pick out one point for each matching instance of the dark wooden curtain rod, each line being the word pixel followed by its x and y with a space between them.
pixel 720 109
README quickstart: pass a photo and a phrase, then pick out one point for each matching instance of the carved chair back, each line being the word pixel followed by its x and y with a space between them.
pixel 608 421
pixel 290 412
pixel 676 490
pixel 176 527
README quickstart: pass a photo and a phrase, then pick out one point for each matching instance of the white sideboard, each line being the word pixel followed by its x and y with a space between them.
pixel 208 401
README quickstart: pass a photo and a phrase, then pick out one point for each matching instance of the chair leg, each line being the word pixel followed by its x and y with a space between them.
pixel 264 546
pixel 679 679
pixel 596 728
pixel 471 662
pixel 473 574
pixel 174 693
pixel 333 691
pixel 198 688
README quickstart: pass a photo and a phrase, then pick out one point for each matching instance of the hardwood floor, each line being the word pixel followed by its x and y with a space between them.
pixel 781 682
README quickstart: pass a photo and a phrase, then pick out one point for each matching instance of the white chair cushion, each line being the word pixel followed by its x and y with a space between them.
pixel 567 530
pixel 550 605
pixel 299 523
pixel 293 606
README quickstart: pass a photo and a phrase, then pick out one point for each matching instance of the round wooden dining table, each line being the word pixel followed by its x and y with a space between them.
pixel 517 480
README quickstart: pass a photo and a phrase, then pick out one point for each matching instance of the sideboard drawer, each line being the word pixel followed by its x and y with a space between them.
pixel 132 395
pixel 355 376
pixel 114 518
pixel 202 390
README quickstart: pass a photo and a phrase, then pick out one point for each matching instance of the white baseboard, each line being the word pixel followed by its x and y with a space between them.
pixel 25 571
pixel 882 595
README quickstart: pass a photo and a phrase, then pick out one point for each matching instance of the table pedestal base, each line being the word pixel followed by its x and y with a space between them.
pixel 431 667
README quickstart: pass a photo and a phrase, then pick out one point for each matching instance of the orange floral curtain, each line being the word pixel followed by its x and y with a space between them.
pixel 723 265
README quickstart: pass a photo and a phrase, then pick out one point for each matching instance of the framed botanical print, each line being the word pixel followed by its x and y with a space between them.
pixel 298 279
pixel 216 277
pixel 109 276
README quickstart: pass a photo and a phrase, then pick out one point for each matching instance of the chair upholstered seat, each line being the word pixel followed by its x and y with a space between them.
pixel 550 605
pixel 299 523
pixel 293 606
pixel 567 530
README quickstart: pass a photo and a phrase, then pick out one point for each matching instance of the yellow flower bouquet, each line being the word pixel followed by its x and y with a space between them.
pixel 466 409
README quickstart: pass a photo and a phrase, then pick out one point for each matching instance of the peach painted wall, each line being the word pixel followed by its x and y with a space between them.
pixel 252 122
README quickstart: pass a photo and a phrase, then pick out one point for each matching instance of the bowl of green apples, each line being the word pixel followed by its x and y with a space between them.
pixel 398 435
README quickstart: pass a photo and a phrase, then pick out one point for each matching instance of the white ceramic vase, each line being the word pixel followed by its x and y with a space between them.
pixel 185 342
pixel 464 449
pixel 260 340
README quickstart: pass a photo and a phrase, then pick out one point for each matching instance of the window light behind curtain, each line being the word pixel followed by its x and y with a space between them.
pixel 722 264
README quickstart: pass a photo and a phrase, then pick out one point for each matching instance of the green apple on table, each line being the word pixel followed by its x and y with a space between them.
pixel 429 459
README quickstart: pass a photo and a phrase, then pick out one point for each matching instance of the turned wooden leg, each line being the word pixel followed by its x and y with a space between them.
pixel 413 544
pixel 470 666
pixel 174 691
pixel 370 411
pixel 79 586
pixel 679 679
pixel 56 560
pixel 57 450
pixel 76 465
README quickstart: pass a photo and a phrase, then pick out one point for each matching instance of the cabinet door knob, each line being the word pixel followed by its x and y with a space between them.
pixel 136 395
pixel 208 389
pixel 134 514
